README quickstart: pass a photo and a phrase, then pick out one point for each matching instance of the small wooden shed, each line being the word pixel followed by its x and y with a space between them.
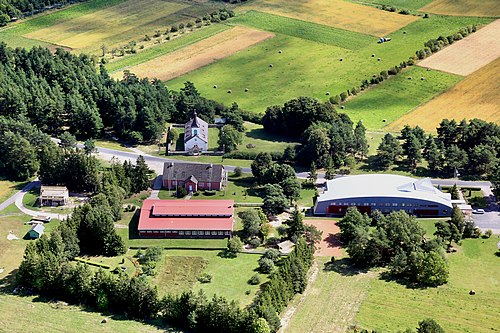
pixel 36 231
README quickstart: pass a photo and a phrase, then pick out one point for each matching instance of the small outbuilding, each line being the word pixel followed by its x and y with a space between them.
pixel 53 196
pixel 36 231
pixel 286 247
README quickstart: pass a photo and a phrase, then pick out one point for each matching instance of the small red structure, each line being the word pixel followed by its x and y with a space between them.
pixel 186 219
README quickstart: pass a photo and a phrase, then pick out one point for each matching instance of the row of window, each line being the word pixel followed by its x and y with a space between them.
pixel 193 232
pixel 387 204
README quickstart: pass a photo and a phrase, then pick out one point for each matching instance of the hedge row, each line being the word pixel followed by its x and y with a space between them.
pixel 92 263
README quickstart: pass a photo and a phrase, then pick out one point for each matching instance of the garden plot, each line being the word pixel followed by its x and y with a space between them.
pixel 469 54
pixel 200 54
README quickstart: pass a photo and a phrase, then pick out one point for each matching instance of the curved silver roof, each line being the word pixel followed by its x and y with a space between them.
pixel 383 185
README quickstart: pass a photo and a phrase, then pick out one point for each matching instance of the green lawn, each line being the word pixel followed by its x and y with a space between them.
pixel 9 188
pixel 303 29
pixel 391 306
pixel 110 144
pixel 386 102
pixel 475 197
pixel 229 275
pixel 167 47
pixel 312 73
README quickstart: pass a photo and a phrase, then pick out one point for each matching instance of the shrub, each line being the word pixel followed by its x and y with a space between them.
pixel 404 12
pixel 238 172
pixel 254 242
pixel 266 265
pixel 210 192
pixel 205 278
pixel 488 233
pixel 181 192
pixel 254 280
pixel 272 254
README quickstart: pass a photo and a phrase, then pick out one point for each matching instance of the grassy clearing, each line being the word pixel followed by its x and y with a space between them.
pixel 110 144
pixel 9 188
pixel 167 47
pixel 391 306
pixel 303 29
pixel 313 73
pixel 229 275
pixel 18 314
pixel 338 292
pixel 464 7
pixel 388 101
pixel 335 13
pixel 399 4
pixel 476 96
pixel 131 238
pixel 178 273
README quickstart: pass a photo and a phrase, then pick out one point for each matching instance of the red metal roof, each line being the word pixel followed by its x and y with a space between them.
pixel 186 215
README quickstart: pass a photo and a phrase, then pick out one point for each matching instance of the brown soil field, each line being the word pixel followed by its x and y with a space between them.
pixel 469 54
pixel 330 243
pixel 199 54
pixel 336 13
pixel 488 8
pixel 477 96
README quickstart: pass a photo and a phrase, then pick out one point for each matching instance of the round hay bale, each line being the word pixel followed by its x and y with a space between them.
pixel 378 59
pixel 271 65
pixel 327 93
pixel 280 52
pixel 374 75
pixel 341 59
pixel 384 120
pixel 215 86
pixel 373 55
pixel 104 321
pixel 404 32
pixel 472 292
pixel 246 89
pixel 409 77
pixel 229 91
pixel 428 69
pixel 342 107
pixel 422 78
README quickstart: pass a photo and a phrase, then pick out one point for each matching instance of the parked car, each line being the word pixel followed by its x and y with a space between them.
pixel 478 211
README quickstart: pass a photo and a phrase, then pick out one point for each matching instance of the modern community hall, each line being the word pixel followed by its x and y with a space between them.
pixel 385 193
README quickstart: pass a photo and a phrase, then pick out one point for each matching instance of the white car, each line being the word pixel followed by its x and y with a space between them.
pixel 478 211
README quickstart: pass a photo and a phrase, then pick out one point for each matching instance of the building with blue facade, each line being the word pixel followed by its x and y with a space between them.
pixel 386 193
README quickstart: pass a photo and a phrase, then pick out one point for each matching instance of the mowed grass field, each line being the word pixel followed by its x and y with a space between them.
pixel 469 54
pixel 399 4
pixel 336 13
pixel 391 306
pixel 313 73
pixel 8 188
pixel 398 95
pixel 490 8
pixel 199 54
pixel 476 96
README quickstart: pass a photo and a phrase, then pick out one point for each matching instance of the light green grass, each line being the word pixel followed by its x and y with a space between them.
pixel 9 188
pixel 31 314
pixel 391 306
pixel 303 29
pixel 397 96
pixel 296 72
pixel 166 47
pixel 262 140
pixel 213 159
pixel 399 4
pixel 229 275
pixel 110 144
pixel 176 274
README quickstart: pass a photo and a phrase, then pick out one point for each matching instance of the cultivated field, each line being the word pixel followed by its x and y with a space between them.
pixel 336 13
pixel 331 301
pixel 476 96
pixel 399 4
pixel 391 306
pixel 330 242
pixel 387 102
pixel 312 73
pixel 469 54
pixel 200 54
pixel 488 8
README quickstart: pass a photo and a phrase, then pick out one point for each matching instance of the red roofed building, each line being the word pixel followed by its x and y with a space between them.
pixel 186 218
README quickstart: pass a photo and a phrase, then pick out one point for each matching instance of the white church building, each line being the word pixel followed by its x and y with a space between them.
pixel 195 135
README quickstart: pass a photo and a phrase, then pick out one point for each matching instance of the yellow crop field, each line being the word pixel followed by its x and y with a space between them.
pixel 469 54
pixel 199 54
pixel 118 23
pixel 336 13
pixel 477 96
pixel 489 8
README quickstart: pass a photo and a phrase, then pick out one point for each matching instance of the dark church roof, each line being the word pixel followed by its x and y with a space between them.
pixel 196 123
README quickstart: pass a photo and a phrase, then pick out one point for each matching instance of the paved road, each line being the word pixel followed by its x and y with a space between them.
pixel 19 194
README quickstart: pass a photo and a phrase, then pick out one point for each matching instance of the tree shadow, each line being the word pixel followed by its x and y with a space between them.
pixel 7 283
pixel 333 240
pixel 261 134
pixel 344 267
pixel 388 277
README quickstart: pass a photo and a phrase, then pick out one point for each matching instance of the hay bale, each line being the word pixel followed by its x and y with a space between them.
pixel 384 120
pixel 229 91
pixel 422 78
pixel 271 65
pixel 342 107
pixel 104 321
pixel 404 32
pixel 327 93
pixel 472 292
pixel 341 59
pixel 280 52
pixel 409 77
pixel 373 55
pixel 215 86
pixel 378 59
pixel 246 89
